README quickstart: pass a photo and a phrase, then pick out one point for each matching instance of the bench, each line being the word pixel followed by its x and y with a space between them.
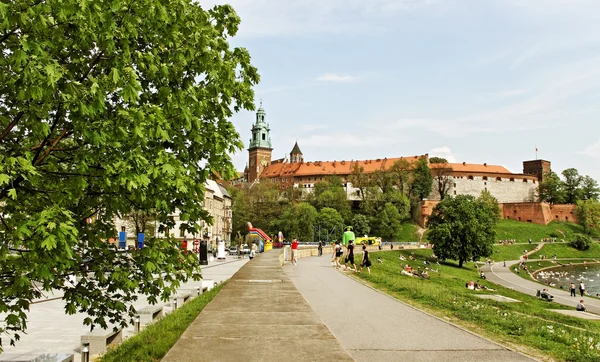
pixel 180 299
pixel 208 284
pixel 149 314
pixel 99 339
pixel 194 291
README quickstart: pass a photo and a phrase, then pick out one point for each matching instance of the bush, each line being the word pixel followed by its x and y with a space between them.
pixel 554 235
pixel 581 242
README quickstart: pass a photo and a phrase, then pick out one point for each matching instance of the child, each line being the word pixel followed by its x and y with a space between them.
pixel 365 260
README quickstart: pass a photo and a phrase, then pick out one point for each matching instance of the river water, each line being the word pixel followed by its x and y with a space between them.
pixel 564 276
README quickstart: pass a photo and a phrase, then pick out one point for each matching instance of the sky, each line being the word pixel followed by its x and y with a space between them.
pixel 469 80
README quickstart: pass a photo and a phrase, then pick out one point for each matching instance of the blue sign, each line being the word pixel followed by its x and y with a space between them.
pixel 122 239
pixel 140 240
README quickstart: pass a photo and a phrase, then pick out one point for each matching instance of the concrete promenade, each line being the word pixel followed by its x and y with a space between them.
pixel 313 312
pixel 375 327
pixel 499 274
pixel 47 317
pixel 259 315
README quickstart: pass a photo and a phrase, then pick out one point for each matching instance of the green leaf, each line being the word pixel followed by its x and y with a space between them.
pixel 12 193
pixel 4 179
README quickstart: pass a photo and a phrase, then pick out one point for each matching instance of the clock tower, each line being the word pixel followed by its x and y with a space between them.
pixel 259 149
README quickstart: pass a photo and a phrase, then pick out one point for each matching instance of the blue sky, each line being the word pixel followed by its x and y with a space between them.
pixel 470 80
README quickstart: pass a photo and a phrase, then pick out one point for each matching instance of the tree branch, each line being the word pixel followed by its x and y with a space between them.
pixel 11 125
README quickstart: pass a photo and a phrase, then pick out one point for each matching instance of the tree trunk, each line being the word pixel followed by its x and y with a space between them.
pixel 460 263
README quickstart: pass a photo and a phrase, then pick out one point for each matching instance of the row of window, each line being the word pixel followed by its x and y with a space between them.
pixel 485 178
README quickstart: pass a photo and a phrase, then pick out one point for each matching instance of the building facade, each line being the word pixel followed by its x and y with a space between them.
pixel 217 202
pixel 463 178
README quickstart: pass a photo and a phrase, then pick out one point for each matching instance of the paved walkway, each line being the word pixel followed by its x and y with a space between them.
pixel 259 315
pixel 46 317
pixel 375 327
pixel 499 274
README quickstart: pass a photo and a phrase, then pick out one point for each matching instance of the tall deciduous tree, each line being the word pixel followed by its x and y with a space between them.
pixel 572 185
pixel 388 222
pixel 360 180
pixel 588 214
pixel 329 224
pixel 361 224
pixel 330 193
pixel 551 189
pixel 107 108
pixel 300 220
pixel 422 180
pixel 462 228
pixel 441 178
pixel 589 188
pixel 401 172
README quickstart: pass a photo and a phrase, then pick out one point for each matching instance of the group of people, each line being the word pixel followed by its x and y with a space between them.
pixel 338 253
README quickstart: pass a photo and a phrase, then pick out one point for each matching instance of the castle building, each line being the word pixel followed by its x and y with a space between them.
pixel 462 178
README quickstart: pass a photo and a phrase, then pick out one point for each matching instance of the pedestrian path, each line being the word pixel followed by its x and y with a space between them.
pixel 502 275
pixel 259 315
pixel 374 327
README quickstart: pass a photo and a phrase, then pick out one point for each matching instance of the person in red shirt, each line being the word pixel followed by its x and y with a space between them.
pixel 294 251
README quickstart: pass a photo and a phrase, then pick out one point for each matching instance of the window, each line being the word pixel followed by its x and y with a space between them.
pixel 498 178
pixel 455 184
pixel 470 177
pixel 454 192
pixel 181 233
pixel 525 180
pixel 485 183
pixel 512 179
pixel 484 178
pixel 264 136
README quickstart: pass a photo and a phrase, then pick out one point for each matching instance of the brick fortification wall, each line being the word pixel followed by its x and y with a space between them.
pixel 504 189
pixel 534 212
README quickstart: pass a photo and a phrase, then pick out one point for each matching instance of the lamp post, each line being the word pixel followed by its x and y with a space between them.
pixel 85 353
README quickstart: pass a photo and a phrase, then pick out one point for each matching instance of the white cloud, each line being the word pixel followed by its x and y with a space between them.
pixel 443 152
pixel 592 150
pixel 337 78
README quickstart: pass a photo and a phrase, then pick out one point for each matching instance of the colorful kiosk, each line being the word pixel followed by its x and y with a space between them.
pixel 266 243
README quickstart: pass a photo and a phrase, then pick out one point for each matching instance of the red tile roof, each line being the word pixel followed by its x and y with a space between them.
pixel 472 167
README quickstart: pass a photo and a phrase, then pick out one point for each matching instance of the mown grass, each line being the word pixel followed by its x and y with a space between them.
pixel 523 231
pixel 154 341
pixel 564 250
pixel 509 252
pixel 408 233
pixel 526 326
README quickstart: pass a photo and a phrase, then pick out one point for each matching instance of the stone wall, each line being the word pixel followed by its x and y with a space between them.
pixel 504 189
pixel 534 212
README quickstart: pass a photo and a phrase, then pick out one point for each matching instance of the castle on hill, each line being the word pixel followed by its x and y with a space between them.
pixel 517 190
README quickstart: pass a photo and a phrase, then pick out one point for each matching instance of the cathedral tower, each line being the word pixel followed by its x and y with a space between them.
pixel 259 149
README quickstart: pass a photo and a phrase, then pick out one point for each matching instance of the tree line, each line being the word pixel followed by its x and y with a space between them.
pixel 384 200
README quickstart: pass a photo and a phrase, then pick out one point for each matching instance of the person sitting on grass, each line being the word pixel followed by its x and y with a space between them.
pixel 545 294
pixel 581 306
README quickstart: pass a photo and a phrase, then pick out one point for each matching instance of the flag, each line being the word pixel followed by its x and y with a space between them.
pixel 536 149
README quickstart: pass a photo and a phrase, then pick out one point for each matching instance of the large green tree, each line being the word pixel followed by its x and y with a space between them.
pixel 329 224
pixel 388 222
pixel 422 182
pixel 330 193
pixel 299 221
pixel 462 228
pixel 361 225
pixel 572 185
pixel 551 189
pixel 588 214
pixel 589 188
pixel 108 108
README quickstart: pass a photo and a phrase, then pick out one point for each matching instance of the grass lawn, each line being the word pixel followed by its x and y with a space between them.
pixel 408 232
pixel 525 326
pixel 154 341
pixel 523 231
pixel 509 252
pixel 563 250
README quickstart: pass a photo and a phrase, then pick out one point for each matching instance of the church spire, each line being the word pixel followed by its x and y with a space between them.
pixel 296 154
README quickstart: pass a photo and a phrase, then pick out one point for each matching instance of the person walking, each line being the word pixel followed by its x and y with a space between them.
pixel 320 247
pixel 337 253
pixel 365 260
pixel 350 256
pixel 294 251
pixel 581 288
pixel 572 289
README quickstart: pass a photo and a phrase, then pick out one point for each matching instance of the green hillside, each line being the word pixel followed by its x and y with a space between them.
pixel 523 231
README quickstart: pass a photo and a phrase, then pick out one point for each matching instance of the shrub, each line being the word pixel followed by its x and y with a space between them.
pixel 581 242
pixel 554 235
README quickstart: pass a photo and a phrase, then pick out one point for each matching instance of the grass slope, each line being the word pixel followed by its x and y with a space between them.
pixel 154 341
pixel 525 326
pixel 408 232
pixel 563 250
pixel 523 231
